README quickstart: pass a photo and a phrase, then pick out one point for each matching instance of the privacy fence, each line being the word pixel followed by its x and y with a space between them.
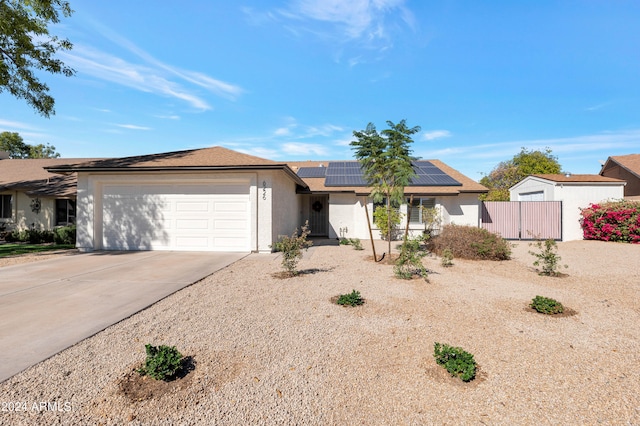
pixel 523 220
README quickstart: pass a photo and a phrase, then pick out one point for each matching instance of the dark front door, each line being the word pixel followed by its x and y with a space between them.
pixel 319 214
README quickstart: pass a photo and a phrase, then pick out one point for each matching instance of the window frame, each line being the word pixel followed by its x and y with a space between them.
pixel 6 207
pixel 421 202
pixel 69 219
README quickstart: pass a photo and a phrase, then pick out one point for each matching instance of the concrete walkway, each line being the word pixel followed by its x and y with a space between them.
pixel 49 305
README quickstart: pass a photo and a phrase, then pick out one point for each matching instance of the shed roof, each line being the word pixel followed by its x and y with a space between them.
pixel 571 178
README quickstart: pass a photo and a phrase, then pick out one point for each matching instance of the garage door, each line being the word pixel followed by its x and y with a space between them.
pixel 194 217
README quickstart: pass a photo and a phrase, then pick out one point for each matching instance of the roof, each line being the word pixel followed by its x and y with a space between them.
pixel 571 178
pixel 630 162
pixel 29 175
pixel 214 158
pixel 467 185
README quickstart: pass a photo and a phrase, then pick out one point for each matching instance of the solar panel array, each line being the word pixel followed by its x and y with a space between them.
pixel 312 172
pixel 430 175
pixel 344 173
pixel 349 173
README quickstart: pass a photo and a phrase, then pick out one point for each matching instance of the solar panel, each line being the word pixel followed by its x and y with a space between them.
pixel 349 173
pixel 312 172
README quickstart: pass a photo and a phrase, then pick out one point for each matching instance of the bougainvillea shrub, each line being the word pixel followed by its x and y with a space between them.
pixel 612 221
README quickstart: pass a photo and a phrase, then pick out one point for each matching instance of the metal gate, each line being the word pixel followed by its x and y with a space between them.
pixel 523 220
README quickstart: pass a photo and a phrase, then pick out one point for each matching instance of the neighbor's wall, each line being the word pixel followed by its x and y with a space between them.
pixel 532 185
pixel 632 188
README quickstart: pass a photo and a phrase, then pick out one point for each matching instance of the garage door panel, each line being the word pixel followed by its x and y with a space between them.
pixel 176 217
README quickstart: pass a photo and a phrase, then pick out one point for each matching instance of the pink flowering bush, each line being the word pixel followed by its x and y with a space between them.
pixel 612 221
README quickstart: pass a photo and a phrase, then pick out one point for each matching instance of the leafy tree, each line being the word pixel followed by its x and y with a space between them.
pixel 12 143
pixel 26 45
pixel 508 173
pixel 386 162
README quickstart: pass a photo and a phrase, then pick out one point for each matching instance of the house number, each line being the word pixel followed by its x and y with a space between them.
pixel 264 189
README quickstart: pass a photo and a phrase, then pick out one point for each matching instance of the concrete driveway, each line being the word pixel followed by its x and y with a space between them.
pixel 49 305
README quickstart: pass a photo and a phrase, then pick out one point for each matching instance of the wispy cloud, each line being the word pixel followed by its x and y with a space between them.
pixel 7 125
pixel 435 134
pixel 133 127
pixel 311 149
pixel 148 74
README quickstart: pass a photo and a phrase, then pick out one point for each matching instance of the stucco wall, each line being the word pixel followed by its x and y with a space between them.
pixel 280 193
pixel 23 217
pixel 632 188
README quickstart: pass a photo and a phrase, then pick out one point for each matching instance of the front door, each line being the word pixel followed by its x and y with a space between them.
pixel 319 213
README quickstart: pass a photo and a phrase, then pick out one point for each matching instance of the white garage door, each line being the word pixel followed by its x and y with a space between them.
pixel 198 217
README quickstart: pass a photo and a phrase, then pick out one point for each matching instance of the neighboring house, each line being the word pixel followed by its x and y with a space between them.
pixel 575 192
pixel 216 199
pixel 32 197
pixel 627 168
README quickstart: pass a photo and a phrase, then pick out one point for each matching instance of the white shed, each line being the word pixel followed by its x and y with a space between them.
pixel 575 192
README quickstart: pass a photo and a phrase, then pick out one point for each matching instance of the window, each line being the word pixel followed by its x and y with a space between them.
pixel 416 208
pixel 5 207
pixel 65 212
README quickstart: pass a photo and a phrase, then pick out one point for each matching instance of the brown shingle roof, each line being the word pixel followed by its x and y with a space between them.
pixel 216 156
pixel 29 175
pixel 468 185
pixel 577 178
pixel 631 162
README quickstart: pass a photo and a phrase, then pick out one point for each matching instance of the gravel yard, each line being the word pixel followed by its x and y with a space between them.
pixel 277 351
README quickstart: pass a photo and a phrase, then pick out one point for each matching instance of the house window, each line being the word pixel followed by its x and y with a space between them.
pixel 65 212
pixel 416 208
pixel 5 207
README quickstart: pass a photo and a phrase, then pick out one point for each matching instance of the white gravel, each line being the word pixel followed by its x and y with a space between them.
pixel 272 351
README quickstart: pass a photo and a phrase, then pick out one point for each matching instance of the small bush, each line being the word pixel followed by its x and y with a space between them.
pixel 547 257
pixel 447 258
pixel 456 361
pixel 612 221
pixel 65 235
pixel 350 299
pixel 291 248
pixel 382 223
pixel 345 241
pixel 36 236
pixel 357 245
pixel 409 263
pixel 469 242
pixel 545 305
pixel 162 363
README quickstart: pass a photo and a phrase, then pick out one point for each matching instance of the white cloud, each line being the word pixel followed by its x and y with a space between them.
pixel 436 134
pixel 133 127
pixel 7 124
pixel 282 131
pixel 149 75
pixel 297 148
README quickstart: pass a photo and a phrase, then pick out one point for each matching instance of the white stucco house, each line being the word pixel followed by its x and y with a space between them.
pixel 574 191
pixel 216 199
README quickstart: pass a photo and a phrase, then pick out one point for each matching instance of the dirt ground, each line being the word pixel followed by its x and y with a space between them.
pixel 266 350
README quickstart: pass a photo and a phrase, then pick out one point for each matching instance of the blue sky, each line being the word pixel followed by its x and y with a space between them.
pixel 291 80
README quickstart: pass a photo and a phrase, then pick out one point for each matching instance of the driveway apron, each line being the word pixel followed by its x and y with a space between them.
pixel 50 305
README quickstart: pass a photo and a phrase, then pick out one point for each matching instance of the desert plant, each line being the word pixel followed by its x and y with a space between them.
pixel 387 223
pixel 355 242
pixel 547 257
pixel 447 258
pixel 545 305
pixel 345 241
pixel 409 262
pixel 292 247
pixel 458 362
pixel 350 299
pixel 162 363
pixel 431 219
pixel 469 242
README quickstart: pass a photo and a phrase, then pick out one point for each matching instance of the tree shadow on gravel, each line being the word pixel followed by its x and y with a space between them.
pixel 283 275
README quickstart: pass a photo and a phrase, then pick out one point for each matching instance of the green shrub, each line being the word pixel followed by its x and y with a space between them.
pixel 409 262
pixel 291 248
pixel 612 221
pixel 162 363
pixel 350 299
pixel 447 258
pixel 345 241
pixel 65 235
pixel 36 236
pixel 547 257
pixel 12 237
pixel 381 222
pixel 470 242
pixel 545 305
pixel 456 361
pixel 355 242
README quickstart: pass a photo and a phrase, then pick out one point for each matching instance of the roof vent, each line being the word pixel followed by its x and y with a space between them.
pixel 567 174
